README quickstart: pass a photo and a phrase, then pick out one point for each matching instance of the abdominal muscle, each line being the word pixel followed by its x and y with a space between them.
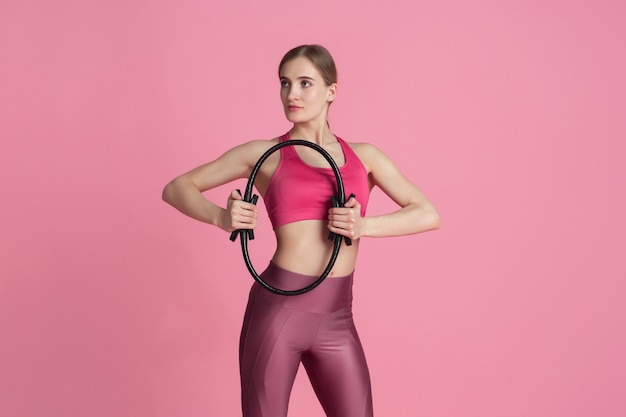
pixel 303 247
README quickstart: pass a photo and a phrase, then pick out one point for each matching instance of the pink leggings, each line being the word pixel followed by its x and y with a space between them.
pixel 316 329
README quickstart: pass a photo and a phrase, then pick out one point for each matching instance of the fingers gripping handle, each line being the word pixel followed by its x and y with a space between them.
pixel 249 232
pixel 332 235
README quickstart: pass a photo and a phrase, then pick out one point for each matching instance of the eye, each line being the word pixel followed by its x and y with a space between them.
pixel 306 83
pixel 284 83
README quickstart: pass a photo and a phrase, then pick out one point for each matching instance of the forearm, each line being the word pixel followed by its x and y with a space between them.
pixel 185 197
pixel 408 220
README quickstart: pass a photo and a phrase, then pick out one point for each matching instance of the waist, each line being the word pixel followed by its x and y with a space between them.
pixel 332 294
pixel 303 247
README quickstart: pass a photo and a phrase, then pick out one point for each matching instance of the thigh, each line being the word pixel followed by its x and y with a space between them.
pixel 338 371
pixel 272 340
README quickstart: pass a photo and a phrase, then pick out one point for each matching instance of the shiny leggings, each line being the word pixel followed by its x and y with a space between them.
pixel 316 329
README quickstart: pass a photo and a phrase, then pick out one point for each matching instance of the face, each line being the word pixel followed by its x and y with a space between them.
pixel 303 92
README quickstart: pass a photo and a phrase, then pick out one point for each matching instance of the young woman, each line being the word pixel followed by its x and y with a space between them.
pixel 316 328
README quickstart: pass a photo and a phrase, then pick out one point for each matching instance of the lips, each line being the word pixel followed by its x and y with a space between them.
pixel 293 108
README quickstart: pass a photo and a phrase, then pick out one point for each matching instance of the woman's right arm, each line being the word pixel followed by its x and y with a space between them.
pixel 185 191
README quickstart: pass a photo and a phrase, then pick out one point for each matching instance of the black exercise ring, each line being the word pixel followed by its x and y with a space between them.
pixel 337 201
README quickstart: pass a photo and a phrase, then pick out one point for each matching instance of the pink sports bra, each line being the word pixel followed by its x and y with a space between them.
pixel 298 191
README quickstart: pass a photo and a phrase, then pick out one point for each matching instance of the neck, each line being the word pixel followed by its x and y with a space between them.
pixel 319 133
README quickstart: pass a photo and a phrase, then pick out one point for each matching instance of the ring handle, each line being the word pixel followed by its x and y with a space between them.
pixel 249 232
pixel 331 235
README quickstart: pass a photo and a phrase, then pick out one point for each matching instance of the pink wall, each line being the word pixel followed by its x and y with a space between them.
pixel 511 116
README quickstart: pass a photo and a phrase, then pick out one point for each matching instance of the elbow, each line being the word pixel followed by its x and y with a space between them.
pixel 165 195
pixel 435 220
pixel 169 191
pixel 431 219
pixel 426 218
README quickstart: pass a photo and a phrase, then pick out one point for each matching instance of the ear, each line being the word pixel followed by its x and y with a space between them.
pixel 332 92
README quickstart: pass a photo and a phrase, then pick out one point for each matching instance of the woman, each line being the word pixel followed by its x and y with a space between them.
pixel 296 183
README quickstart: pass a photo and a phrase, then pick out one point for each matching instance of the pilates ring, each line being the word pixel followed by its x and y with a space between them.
pixel 336 201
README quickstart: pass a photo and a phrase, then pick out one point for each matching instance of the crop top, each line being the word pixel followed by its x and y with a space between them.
pixel 298 191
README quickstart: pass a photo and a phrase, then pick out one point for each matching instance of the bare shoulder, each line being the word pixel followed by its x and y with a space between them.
pixel 364 148
pixel 256 145
pixel 249 152
pixel 235 163
pixel 370 155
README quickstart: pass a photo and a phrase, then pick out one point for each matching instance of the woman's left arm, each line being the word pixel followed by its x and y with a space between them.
pixel 416 214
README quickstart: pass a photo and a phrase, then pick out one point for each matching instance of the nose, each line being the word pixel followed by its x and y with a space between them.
pixel 293 92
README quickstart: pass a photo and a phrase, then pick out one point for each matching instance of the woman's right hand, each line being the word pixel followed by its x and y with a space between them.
pixel 238 214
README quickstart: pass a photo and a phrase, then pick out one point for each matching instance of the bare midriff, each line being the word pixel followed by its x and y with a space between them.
pixel 303 247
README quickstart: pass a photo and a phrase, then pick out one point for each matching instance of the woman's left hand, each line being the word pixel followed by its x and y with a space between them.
pixel 346 220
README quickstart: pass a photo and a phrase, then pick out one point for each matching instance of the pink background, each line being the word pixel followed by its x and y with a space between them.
pixel 511 117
